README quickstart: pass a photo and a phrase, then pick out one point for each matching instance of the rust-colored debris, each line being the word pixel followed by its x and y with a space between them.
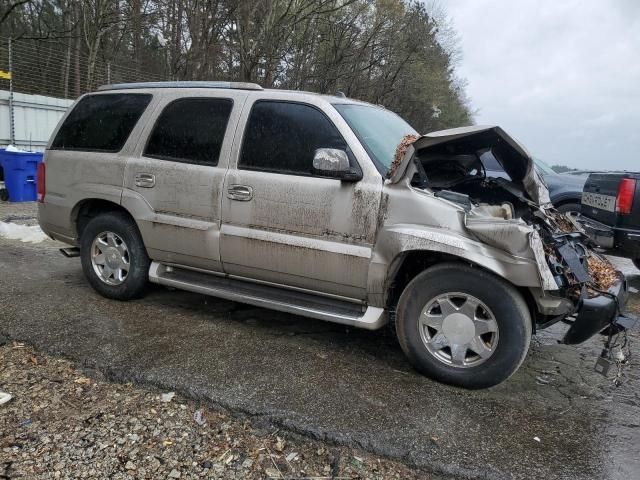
pixel 562 222
pixel 400 151
pixel 604 274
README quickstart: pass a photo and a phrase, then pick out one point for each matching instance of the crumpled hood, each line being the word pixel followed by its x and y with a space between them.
pixel 513 157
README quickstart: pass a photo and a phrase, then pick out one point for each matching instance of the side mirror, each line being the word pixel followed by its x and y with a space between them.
pixel 333 162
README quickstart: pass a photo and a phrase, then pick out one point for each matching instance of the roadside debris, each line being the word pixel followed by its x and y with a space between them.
pixel 5 397
pixel 280 444
pixel 542 380
pixel 167 397
pixel 198 417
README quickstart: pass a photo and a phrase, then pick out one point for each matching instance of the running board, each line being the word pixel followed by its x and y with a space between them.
pixel 267 296
pixel 70 252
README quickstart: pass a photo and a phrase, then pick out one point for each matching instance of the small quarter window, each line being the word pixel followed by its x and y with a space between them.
pixel 282 137
pixel 490 162
pixel 101 122
pixel 190 130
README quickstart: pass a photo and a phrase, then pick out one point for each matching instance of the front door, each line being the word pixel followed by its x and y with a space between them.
pixel 280 223
pixel 173 187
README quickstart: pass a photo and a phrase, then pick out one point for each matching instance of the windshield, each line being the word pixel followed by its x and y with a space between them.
pixel 543 167
pixel 379 130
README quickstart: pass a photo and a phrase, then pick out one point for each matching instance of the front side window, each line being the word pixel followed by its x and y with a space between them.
pixel 380 131
pixel 101 122
pixel 190 130
pixel 282 137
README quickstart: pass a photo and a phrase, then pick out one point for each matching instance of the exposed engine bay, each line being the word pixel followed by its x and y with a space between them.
pixel 457 175
pixel 514 213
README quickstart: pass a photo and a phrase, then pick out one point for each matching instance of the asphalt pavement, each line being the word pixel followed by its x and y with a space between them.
pixel 554 419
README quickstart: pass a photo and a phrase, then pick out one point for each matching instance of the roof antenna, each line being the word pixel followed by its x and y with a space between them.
pixel 340 94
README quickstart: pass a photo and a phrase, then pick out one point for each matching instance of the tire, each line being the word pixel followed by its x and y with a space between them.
pixel 636 262
pixel 128 266
pixel 501 311
pixel 569 208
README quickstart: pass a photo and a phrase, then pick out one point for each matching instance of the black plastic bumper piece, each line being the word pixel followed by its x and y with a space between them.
pixel 596 314
pixel 623 242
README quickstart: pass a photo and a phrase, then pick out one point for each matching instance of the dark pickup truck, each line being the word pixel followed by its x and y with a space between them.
pixel 611 213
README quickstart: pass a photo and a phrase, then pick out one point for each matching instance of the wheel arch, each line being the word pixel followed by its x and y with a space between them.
pixel 89 208
pixel 408 264
pixel 565 199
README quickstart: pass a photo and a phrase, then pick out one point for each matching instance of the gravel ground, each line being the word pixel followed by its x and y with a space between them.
pixel 65 423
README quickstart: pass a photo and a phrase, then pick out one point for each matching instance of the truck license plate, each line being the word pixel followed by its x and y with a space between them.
pixel 597 200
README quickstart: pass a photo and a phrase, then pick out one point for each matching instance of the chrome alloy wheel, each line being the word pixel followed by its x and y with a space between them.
pixel 110 258
pixel 458 329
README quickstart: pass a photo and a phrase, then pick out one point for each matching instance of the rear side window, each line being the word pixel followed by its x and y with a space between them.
pixel 101 122
pixel 282 137
pixel 190 130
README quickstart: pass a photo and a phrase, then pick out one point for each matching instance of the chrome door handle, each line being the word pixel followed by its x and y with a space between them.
pixel 145 180
pixel 242 193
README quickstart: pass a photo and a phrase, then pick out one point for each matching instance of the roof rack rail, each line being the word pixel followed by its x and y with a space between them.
pixel 182 84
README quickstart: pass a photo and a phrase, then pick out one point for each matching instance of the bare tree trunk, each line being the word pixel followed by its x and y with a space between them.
pixel 136 33
pixel 78 45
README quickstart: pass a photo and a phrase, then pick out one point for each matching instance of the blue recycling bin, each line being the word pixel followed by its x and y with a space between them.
pixel 20 174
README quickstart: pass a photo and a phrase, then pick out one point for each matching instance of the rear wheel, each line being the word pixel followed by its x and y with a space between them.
pixel 114 259
pixel 463 326
pixel 570 209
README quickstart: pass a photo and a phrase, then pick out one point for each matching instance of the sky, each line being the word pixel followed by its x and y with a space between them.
pixel 562 77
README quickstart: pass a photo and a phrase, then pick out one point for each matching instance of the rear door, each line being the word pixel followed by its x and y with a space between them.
pixel 173 186
pixel 284 225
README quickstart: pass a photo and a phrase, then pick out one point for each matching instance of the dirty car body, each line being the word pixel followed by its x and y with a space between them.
pixel 304 203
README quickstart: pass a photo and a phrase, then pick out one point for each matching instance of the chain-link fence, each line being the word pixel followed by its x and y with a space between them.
pixel 56 69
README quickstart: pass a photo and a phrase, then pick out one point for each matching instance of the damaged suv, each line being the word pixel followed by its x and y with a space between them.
pixel 328 208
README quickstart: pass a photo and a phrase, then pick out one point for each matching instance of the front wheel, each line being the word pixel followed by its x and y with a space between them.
pixel 114 258
pixel 463 326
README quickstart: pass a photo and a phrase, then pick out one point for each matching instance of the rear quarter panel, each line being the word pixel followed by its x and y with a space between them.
pixel 75 176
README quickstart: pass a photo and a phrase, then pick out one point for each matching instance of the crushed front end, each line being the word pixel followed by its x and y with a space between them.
pixel 597 290
pixel 513 213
